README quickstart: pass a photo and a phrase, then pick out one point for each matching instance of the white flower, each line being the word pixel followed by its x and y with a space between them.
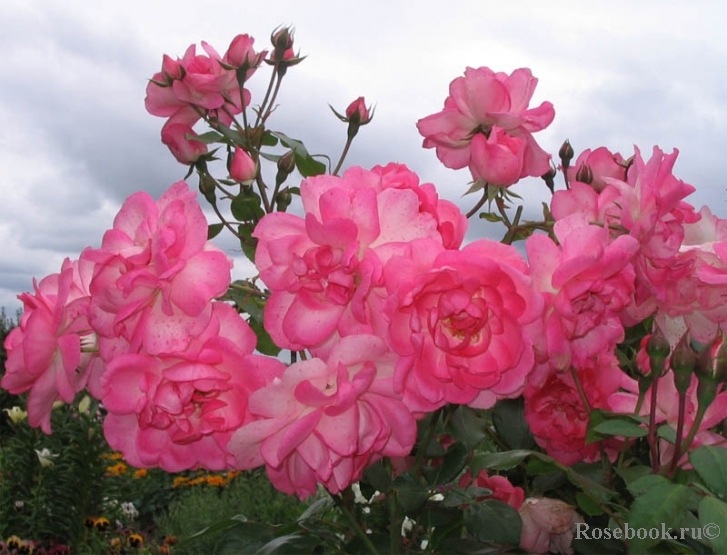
pixel 16 414
pixel 129 510
pixel 46 457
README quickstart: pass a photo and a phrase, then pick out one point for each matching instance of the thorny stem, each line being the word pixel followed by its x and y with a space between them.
pixel 247 289
pixel 272 99
pixel 701 410
pixel 267 95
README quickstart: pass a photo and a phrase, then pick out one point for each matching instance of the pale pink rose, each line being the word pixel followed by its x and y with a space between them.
pixel 557 415
pixel 325 421
pixel 548 525
pixel 242 167
pixel 586 282
pixel 241 53
pixel 502 489
pixel 155 275
pixel 45 353
pixel 486 124
pixel 603 164
pixel 325 270
pixel 459 322
pixel 179 411
pixel 179 138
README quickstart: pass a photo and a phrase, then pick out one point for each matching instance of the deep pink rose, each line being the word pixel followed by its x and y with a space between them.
pixel 486 124
pixel 602 163
pixel 502 489
pixel 555 411
pixel 548 525
pixel 459 321
pixel 325 421
pixel 586 282
pixel 358 112
pixel 45 352
pixel 156 274
pixel 179 411
pixel 325 270
pixel 179 138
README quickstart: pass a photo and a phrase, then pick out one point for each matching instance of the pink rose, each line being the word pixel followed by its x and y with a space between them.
pixel 242 54
pixel 155 275
pixel 242 167
pixel 501 488
pixel 555 412
pixel 325 421
pixel 548 525
pixel 602 163
pixel 459 322
pixel 179 411
pixel 46 351
pixel 186 150
pixel 587 282
pixel 358 112
pixel 486 124
pixel 325 271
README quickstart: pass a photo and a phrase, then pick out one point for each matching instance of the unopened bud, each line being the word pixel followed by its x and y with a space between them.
pixel 207 186
pixel 286 165
pixel 712 362
pixel 566 154
pixel 282 39
pixel 658 350
pixel 549 179
pixel 683 362
pixel 243 168
pixel 585 174
pixel 283 199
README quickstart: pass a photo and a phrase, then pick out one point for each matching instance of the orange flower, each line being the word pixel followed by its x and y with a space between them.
pixel 141 473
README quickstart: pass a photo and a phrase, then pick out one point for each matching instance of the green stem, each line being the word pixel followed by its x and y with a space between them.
pixel 651 436
pixel 480 203
pixel 355 525
pixel 349 140
pixel 395 524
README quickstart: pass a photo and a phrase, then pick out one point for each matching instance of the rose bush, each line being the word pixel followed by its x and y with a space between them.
pixel 579 382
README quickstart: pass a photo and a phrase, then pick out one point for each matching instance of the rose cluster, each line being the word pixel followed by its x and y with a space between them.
pixel 395 314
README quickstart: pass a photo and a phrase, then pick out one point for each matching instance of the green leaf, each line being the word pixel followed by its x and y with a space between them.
pixel 621 428
pixel 249 244
pixel 410 493
pixel 320 505
pixel 308 166
pixel 378 477
pixel 454 461
pixel 493 521
pixel 213 230
pixel 499 461
pixel 668 433
pixel 467 426
pixel 508 416
pixel 711 465
pixel 265 343
pixel 588 505
pixel 209 137
pixel 632 473
pixel 713 520
pixel 269 139
pixel 246 207
pixel 663 504
pixel 491 217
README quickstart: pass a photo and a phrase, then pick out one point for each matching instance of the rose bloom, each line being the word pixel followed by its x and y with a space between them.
pixel 45 353
pixel 155 275
pixel 326 421
pixel 325 270
pixel 557 415
pixel 459 322
pixel 179 411
pixel 185 150
pixel 501 488
pixel 486 124
pixel 603 164
pixel 548 525
pixel 587 281
pixel 650 208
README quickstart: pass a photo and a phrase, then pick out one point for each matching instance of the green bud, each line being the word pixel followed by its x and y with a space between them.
pixel 683 361
pixel 658 350
pixel 566 154
pixel 283 199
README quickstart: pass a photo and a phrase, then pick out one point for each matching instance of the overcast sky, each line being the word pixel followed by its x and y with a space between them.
pixel 76 140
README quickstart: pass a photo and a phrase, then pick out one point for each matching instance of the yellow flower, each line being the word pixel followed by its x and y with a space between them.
pixel 16 414
pixel 141 473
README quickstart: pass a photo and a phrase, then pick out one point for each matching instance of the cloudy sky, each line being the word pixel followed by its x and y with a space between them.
pixel 76 140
